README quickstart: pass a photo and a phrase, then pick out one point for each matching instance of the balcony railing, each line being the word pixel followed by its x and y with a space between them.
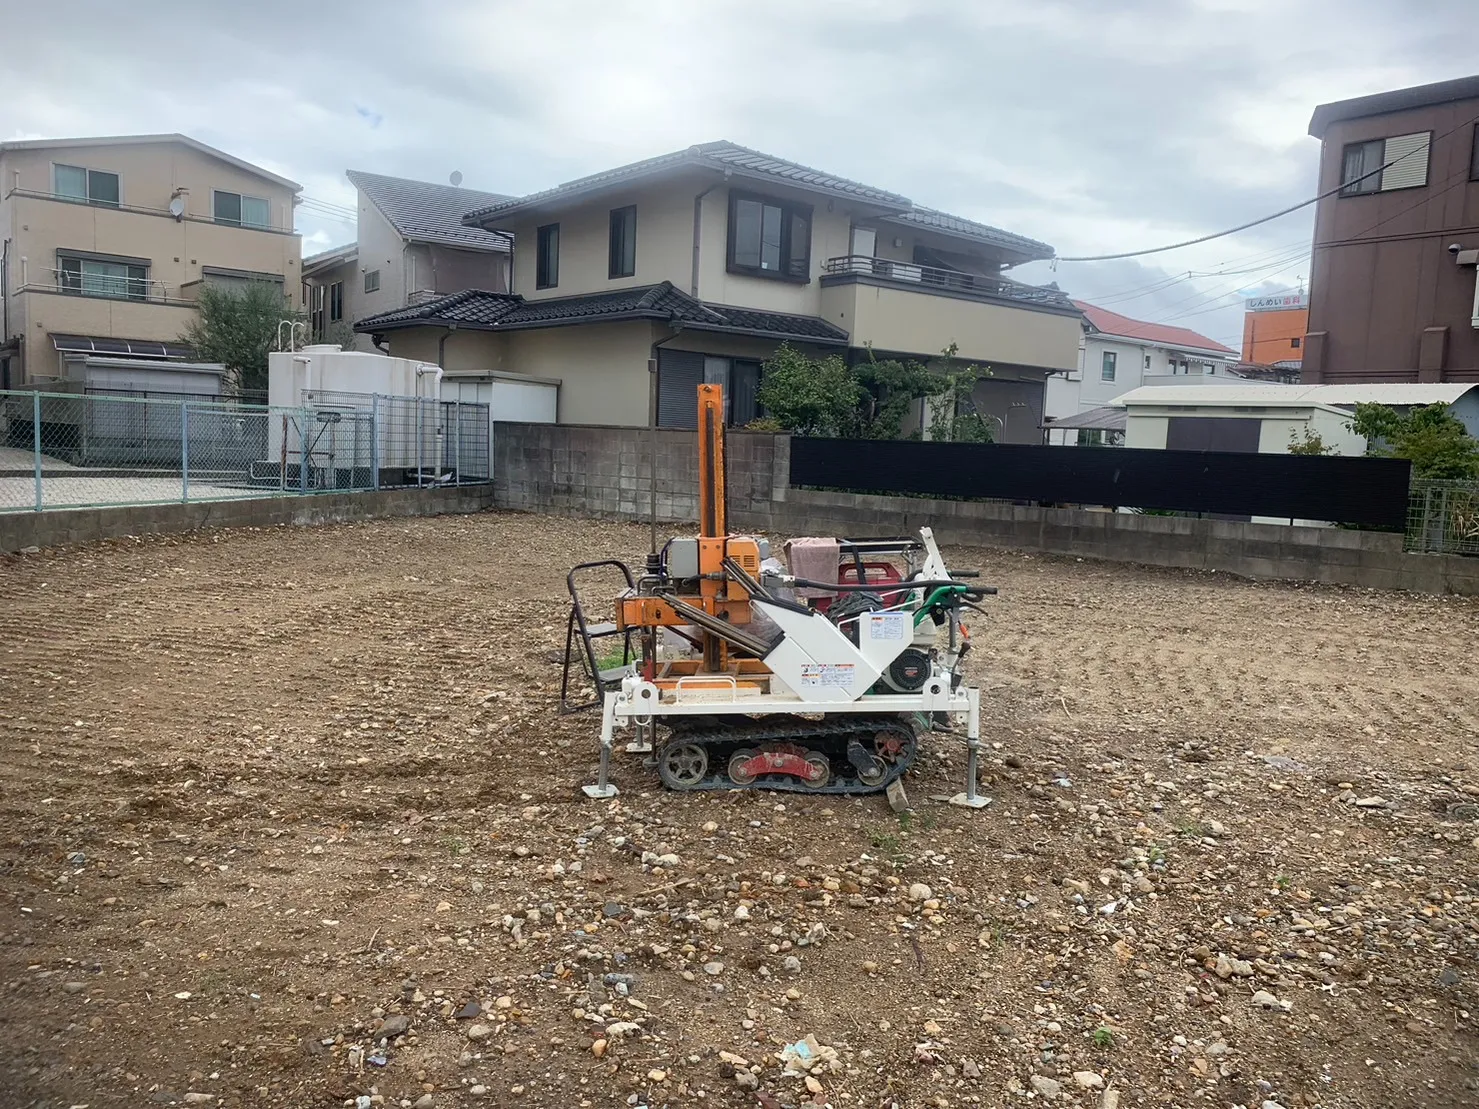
pixel 140 209
pixel 105 286
pixel 935 278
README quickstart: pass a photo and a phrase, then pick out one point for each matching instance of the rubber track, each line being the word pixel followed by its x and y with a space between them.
pixel 829 738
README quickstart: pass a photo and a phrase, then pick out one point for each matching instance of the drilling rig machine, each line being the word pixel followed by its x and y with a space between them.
pixel 756 690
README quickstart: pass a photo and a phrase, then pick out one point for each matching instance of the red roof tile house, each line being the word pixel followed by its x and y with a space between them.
pixel 1117 354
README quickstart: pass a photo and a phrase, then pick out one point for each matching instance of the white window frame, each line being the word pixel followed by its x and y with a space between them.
pixel 56 195
pixel 375 288
pixel 1108 365
pixel 1402 168
pixel 241 222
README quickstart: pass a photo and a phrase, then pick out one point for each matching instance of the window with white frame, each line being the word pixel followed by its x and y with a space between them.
pixel 1107 366
pixel 86 186
pixel 372 281
pixel 239 210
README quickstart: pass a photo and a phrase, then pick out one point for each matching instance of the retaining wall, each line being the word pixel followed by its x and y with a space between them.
pixel 19 530
pixel 602 471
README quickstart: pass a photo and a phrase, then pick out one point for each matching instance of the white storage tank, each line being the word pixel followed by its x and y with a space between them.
pixel 336 390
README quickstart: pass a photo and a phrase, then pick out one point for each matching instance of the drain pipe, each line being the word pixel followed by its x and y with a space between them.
pixel 436 371
pixel 698 218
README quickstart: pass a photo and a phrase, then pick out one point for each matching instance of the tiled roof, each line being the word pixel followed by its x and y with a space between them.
pixel 1159 334
pixel 970 229
pixel 427 213
pixel 722 155
pixel 510 312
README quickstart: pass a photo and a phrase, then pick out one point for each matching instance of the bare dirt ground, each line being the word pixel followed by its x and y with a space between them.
pixel 270 800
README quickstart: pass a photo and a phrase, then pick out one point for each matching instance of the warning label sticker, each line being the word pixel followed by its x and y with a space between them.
pixel 888 625
pixel 827 675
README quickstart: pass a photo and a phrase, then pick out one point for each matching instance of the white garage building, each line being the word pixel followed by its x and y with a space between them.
pixel 1247 419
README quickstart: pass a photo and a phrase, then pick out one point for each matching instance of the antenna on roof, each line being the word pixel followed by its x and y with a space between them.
pixel 456 177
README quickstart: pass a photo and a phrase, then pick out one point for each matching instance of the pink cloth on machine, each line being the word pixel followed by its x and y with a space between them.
pixel 814 558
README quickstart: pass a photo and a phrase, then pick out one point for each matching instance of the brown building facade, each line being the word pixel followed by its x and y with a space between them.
pixel 1392 294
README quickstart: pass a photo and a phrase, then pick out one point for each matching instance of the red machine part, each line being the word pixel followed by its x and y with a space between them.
pixel 874 573
pixel 808 767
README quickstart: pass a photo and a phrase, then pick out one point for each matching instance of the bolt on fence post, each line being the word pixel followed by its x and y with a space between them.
pixel 185 452
pixel 375 440
pixel 36 443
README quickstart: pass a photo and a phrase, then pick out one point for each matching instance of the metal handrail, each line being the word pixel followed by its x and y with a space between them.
pixel 189 217
pixel 937 277
pixel 138 289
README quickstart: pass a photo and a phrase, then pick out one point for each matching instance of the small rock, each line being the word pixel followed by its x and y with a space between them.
pixel 598 1048
pixel 656 1075
pixel 791 964
pixel 1047 1087
pixel 714 968
pixel 741 913
pixel 1088 1080
pixel 1270 1104
pixel 970 1069
pixel 74 987
pixel 746 1081
pixel 613 909
pixel 710 827
pixel 396 1025
pixel 1265 1000
pixel 478 1090
pixel 423 1102
pixel 477 1033
pixel 471 1011
pixel 199 1099
pixel 1371 802
pixel 920 892
pixel 813 1085
pixel 30 550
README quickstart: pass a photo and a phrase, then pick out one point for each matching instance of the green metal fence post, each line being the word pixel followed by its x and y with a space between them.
pixel 185 452
pixel 36 443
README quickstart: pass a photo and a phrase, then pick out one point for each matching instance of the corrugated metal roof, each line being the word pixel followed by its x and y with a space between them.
pixel 1107 418
pixel 1403 393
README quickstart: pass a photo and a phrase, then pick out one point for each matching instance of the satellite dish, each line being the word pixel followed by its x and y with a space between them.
pixel 456 177
pixel 177 207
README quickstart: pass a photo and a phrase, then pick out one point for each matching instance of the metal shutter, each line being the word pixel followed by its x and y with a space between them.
pixel 679 374
pixel 1412 169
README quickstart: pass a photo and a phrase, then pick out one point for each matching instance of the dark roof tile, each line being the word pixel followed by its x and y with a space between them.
pixel 970 229
pixel 510 312
pixel 721 155
pixel 430 213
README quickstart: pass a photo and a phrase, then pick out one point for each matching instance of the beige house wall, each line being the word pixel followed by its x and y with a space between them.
pixel 602 367
pixel 891 319
pixel 664 241
pixel 380 248
pixel 829 238
pixel 177 251
pixel 39 315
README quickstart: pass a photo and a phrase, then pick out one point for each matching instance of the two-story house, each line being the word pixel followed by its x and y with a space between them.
pixel 703 261
pixel 107 241
pixel 411 246
pixel 1392 287
pixel 1117 354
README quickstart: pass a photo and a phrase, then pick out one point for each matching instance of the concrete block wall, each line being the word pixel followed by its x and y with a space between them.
pixel 602 471
pixel 56 527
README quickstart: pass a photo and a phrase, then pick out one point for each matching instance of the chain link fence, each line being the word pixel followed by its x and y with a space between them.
pixel 76 450
pixel 1443 517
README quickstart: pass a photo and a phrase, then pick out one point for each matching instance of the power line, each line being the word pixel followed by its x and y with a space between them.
pixel 1276 215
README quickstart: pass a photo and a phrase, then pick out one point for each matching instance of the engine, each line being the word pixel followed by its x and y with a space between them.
pixel 906 674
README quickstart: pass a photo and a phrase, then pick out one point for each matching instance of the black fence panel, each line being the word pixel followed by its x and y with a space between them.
pixel 1345 490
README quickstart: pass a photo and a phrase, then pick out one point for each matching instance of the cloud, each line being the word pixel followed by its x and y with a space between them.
pixel 1093 127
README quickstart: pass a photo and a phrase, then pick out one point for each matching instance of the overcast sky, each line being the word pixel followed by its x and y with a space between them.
pixel 1095 125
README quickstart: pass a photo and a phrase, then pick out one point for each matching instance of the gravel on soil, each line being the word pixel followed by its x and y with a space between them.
pixel 288 818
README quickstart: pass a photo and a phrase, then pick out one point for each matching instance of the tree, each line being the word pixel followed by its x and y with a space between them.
pixel 238 327
pixel 1431 437
pixel 1309 443
pixel 809 396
